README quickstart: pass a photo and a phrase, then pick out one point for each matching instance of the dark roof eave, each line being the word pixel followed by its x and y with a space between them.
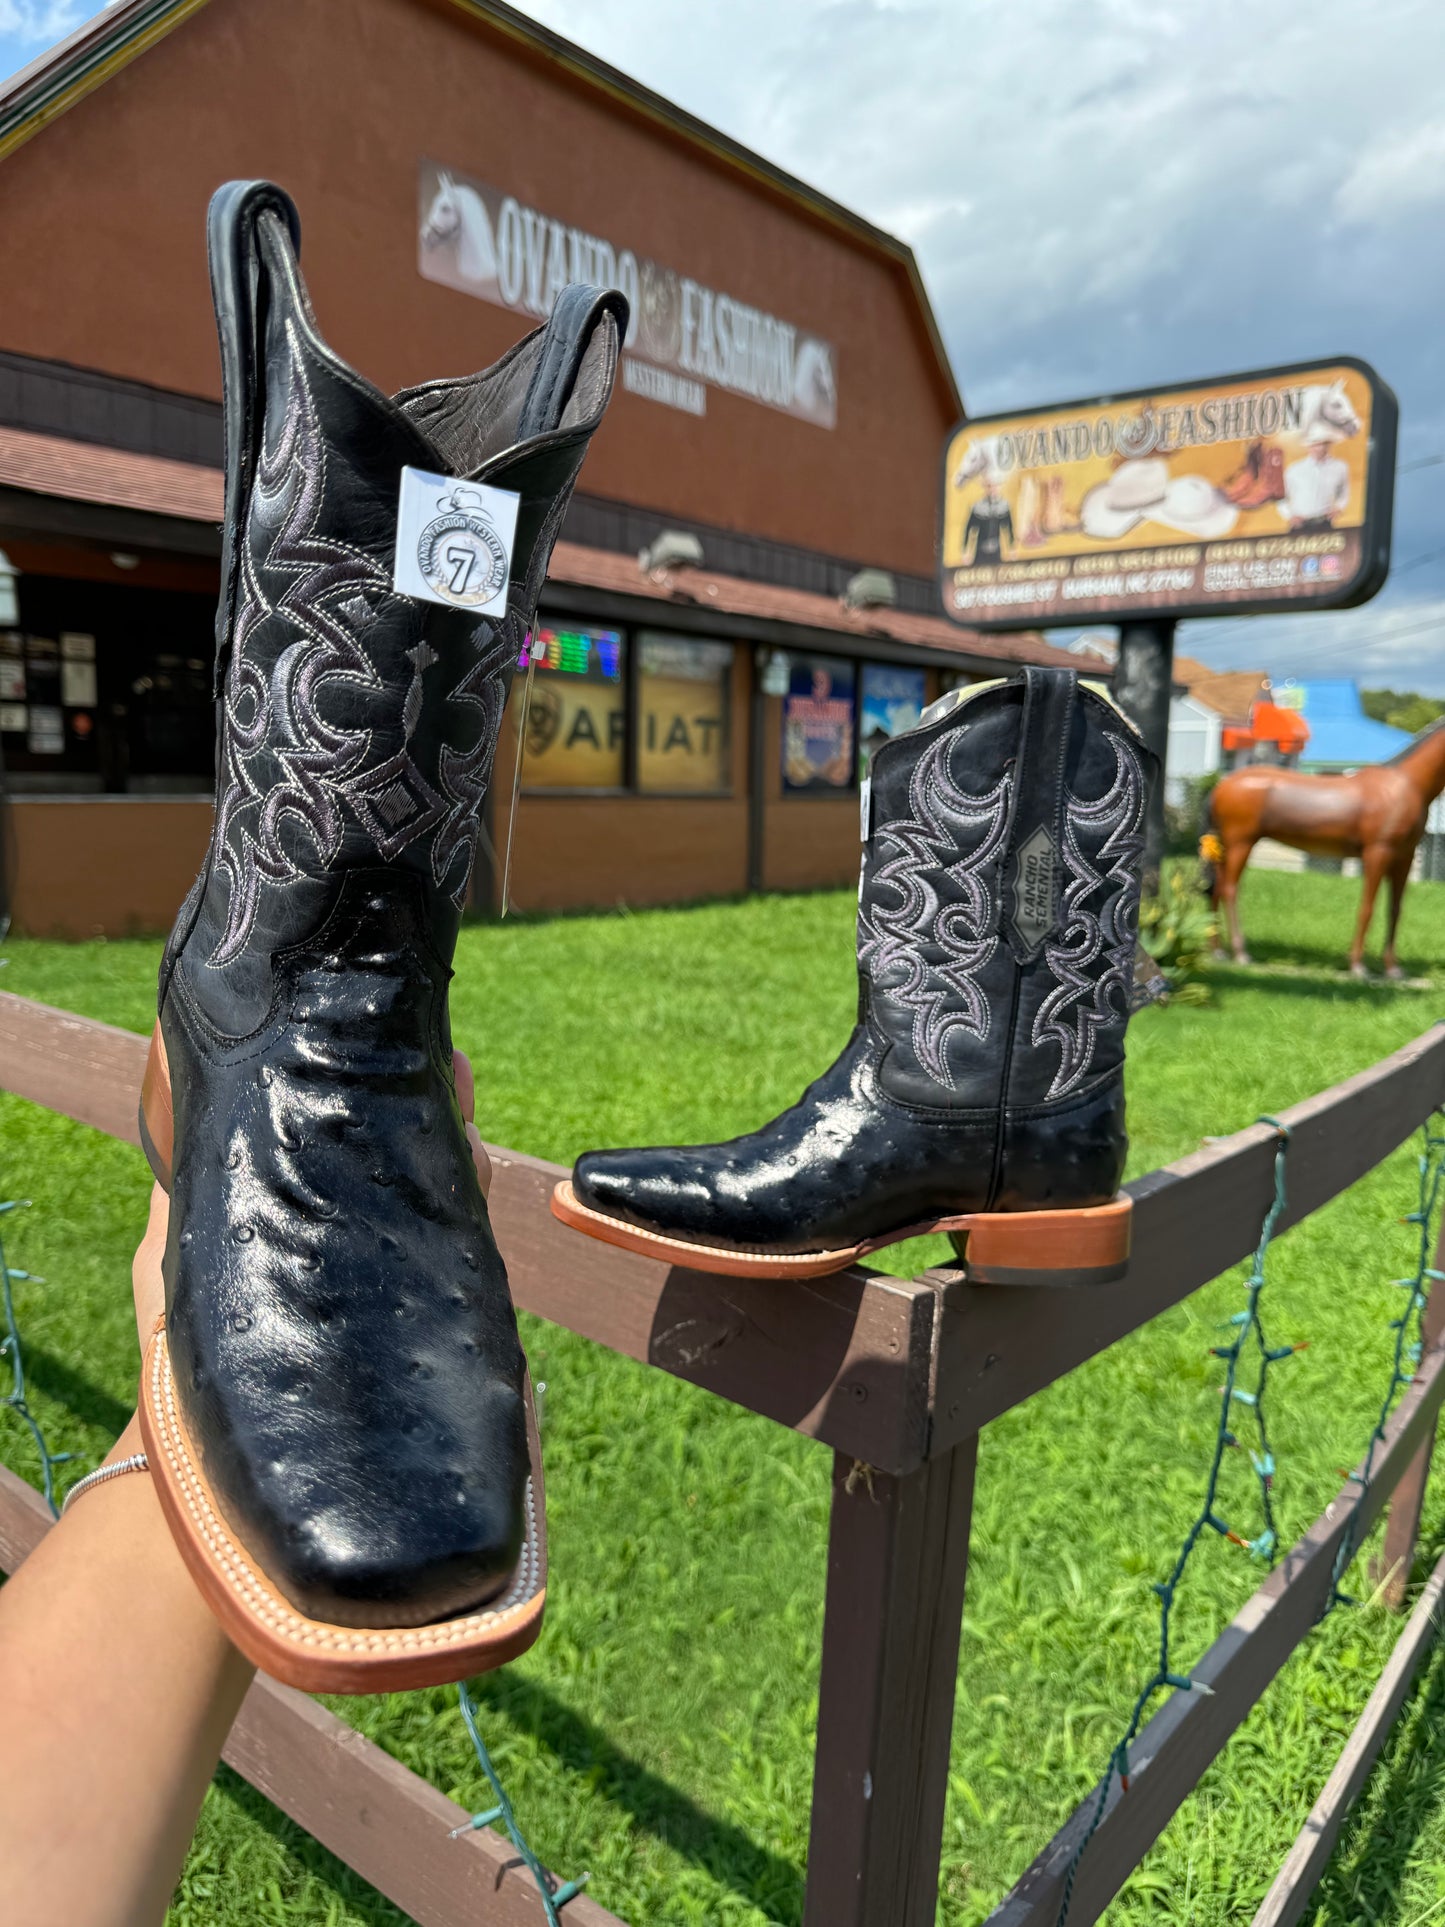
pixel 693 618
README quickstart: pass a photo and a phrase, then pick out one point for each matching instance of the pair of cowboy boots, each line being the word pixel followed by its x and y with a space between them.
pixel 336 1405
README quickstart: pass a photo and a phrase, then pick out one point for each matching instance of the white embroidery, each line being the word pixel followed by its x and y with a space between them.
pixel 1086 997
pixel 277 720
pixel 926 954
pixel 282 757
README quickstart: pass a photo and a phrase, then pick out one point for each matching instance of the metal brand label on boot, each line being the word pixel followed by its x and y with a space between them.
pixel 1033 912
pixel 454 542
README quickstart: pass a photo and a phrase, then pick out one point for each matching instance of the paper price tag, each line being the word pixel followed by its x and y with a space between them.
pixel 454 542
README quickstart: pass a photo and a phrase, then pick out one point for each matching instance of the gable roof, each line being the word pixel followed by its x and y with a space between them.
pixel 76 66
pixel 1230 693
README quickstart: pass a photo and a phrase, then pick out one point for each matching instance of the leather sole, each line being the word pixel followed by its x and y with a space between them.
pixel 309 1654
pixel 1089 1246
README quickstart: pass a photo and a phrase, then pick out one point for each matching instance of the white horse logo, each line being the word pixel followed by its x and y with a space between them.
pixel 1327 406
pixel 457 218
pixel 814 389
pixel 980 457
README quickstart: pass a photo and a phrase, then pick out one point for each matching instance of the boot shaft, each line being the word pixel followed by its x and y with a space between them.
pixel 356 724
pixel 999 901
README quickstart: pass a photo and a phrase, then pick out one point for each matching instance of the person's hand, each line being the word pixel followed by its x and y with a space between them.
pixel 467 1098
pixel 149 1287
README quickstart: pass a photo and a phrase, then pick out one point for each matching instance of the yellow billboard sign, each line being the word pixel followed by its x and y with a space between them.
pixel 1256 491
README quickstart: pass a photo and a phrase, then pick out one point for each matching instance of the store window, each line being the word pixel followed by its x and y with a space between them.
pixel 577 718
pixel 684 742
pixel 107 689
pixel 891 702
pixel 818 724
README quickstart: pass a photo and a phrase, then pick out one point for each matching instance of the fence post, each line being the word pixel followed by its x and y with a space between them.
pixel 1403 1531
pixel 897 1559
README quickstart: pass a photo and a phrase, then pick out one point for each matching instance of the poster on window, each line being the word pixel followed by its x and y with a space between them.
pixel 890 702
pixel 683 740
pixel 818 724
pixel 577 718
pixel 46 734
pixel 42 667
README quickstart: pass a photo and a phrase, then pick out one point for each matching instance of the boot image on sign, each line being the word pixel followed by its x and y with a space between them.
pixel 336 1406
pixel 982 1090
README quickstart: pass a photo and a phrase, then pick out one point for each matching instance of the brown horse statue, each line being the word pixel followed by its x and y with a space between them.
pixel 1377 814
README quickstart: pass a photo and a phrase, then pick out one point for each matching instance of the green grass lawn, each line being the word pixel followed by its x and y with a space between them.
pixel 660 1735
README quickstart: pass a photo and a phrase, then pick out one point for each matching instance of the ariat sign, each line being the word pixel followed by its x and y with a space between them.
pixel 684 337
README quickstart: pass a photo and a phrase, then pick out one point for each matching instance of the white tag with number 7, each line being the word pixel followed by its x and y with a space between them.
pixel 454 542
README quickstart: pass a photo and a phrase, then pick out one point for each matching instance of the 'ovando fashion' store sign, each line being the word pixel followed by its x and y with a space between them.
pixel 684 338
pixel 1254 491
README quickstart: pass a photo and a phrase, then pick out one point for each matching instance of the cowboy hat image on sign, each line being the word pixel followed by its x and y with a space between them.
pixel 1266 490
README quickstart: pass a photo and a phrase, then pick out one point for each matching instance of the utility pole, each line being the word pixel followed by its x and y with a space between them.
pixel 1143 679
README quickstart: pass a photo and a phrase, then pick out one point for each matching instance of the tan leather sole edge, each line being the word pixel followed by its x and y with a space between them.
pixel 1085 1245
pixel 308 1653
pixel 157 1117
pixel 302 1652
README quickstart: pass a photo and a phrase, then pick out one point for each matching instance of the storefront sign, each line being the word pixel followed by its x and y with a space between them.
pixel 1262 491
pixel 891 702
pixel 818 724
pixel 684 337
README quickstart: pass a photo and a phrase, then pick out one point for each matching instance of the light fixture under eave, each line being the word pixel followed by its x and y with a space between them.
pixel 673 549
pixel 124 561
pixel 871 589
pixel 9 596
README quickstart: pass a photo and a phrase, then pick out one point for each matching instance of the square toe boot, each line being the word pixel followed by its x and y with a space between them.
pixel 336 1406
pixel 982 1090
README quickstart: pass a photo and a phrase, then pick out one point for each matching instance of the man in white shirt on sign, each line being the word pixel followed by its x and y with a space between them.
pixel 1316 487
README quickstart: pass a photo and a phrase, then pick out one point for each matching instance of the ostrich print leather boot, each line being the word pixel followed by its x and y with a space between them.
pixel 982 1090
pixel 336 1405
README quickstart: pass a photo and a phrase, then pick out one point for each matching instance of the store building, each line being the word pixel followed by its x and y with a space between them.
pixel 743 602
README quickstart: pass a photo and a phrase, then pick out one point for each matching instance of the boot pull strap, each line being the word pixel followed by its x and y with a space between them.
pixel 239 286
pixel 1031 876
pixel 575 316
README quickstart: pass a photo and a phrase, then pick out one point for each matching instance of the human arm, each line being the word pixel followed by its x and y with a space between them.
pixel 118 1686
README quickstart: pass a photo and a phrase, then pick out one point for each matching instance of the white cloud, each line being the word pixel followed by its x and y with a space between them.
pixel 41 22
pixel 1105 193
pixel 1400 174
pixel 1102 194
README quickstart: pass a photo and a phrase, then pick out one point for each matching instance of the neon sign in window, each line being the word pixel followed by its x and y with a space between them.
pixel 577 720
pixel 576 652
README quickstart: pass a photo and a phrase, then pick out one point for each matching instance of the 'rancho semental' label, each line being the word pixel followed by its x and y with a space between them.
pixel 1033 912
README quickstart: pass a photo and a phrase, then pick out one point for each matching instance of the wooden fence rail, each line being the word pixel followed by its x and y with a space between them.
pixel 897 1376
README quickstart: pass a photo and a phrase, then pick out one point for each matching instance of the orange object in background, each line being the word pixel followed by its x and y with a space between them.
pixel 1268 723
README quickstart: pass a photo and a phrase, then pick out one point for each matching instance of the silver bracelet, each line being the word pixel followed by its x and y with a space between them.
pixel 137 1462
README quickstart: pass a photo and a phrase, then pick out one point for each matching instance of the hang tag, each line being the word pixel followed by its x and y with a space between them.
pixel 865 809
pixel 454 542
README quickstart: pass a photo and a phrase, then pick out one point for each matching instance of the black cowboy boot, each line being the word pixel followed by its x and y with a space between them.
pixel 336 1407
pixel 982 1090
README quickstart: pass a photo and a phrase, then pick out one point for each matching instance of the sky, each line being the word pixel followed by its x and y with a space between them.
pixel 1107 194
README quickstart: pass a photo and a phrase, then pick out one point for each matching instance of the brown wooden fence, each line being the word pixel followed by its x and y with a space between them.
pixel 897 1376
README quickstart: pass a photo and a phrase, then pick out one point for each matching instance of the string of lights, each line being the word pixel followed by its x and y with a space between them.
pixel 1406 1352
pixel 1248 1335
pixel 15 1399
pixel 1409 1333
